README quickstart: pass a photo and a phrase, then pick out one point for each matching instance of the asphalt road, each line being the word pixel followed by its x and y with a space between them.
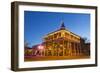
pixel 45 58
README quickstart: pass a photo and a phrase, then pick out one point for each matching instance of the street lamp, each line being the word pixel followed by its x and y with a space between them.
pixel 40 47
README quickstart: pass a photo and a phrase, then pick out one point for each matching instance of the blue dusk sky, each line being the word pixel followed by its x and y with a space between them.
pixel 38 24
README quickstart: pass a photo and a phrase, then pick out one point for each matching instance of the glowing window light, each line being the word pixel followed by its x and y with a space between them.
pixel 40 47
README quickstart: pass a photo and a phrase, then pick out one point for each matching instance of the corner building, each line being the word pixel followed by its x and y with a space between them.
pixel 62 42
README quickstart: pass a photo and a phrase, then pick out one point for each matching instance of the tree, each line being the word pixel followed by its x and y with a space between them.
pixel 26 44
pixel 86 40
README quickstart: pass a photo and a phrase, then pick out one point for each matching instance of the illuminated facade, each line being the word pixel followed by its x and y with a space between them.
pixel 64 41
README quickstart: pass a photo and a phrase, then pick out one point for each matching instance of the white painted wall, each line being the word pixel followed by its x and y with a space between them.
pixel 5 32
